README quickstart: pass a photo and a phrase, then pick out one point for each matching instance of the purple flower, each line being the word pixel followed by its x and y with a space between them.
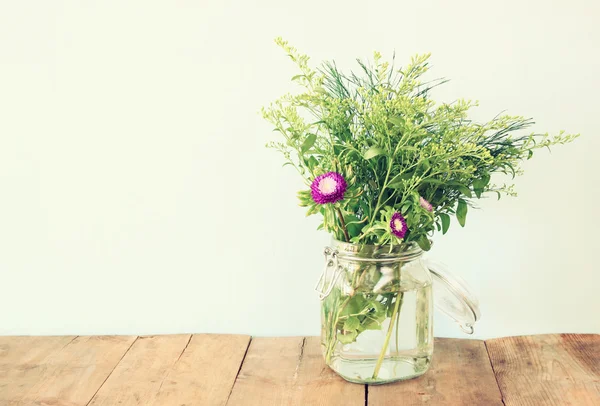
pixel 398 225
pixel 328 188
pixel 425 204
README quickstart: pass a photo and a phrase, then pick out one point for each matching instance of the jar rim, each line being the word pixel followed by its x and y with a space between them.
pixel 375 253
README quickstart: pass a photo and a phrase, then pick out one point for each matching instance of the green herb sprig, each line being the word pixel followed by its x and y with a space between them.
pixel 395 147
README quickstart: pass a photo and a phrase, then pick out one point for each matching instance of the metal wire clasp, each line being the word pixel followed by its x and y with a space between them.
pixel 331 261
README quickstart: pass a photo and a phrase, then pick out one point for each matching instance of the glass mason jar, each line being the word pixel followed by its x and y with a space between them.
pixel 377 310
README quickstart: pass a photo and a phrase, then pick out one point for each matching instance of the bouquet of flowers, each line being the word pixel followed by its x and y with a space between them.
pixel 385 165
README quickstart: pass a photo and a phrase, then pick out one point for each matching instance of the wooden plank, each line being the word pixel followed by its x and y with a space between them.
pixel 206 371
pixel 70 375
pixel 175 370
pixel 557 369
pixel 22 363
pixel 317 384
pixel 138 377
pixel 460 374
pixel 291 371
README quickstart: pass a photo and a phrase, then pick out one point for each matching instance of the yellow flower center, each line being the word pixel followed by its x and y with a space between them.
pixel 398 225
pixel 327 186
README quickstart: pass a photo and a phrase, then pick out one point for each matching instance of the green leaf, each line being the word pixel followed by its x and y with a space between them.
pixel 308 142
pixel 480 184
pixel 353 225
pixel 478 190
pixel 348 338
pixel 396 185
pixel 486 179
pixel 464 190
pixel 371 324
pixel 373 152
pixel 355 305
pixel 424 243
pixel 445 222
pixel 461 212
pixel 312 210
pixel 305 198
pixel 352 323
pixel 378 309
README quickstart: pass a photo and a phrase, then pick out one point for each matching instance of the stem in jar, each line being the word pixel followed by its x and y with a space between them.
pixel 398 324
pixel 333 334
pixel 330 345
pixel 386 343
pixel 398 317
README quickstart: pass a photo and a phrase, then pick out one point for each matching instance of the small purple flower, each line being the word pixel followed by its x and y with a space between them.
pixel 425 204
pixel 398 225
pixel 328 188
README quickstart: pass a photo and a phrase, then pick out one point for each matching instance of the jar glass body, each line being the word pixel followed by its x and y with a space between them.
pixel 376 312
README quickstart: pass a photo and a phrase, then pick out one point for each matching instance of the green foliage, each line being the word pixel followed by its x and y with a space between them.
pixel 394 144
pixel 461 212
pixel 346 320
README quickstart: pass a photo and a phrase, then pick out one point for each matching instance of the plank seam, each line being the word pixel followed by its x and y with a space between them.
pixel 366 395
pixel 111 372
pixel 494 371
pixel 239 370
pixel 184 348
pixel 174 364
pixel 299 358
pixel 65 346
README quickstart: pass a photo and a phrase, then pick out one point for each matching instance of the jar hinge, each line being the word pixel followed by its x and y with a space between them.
pixel 331 261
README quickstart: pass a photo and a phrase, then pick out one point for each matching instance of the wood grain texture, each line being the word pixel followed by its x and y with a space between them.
pixel 188 370
pixel 140 374
pixel 22 363
pixel 460 374
pixel 175 370
pixel 205 372
pixel 69 375
pixel 291 371
pixel 557 369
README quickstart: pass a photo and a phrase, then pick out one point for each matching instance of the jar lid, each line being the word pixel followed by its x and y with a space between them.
pixel 452 296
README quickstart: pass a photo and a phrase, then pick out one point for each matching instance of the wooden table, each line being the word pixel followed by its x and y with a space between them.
pixel 207 369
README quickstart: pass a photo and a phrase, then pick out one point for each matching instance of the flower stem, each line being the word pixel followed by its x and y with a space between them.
pixel 398 322
pixel 344 229
pixel 333 334
pixel 401 294
pixel 386 343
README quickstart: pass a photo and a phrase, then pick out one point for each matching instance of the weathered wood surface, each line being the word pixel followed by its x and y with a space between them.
pixel 291 371
pixel 175 370
pixel 460 374
pixel 556 369
pixel 208 369
pixel 57 370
